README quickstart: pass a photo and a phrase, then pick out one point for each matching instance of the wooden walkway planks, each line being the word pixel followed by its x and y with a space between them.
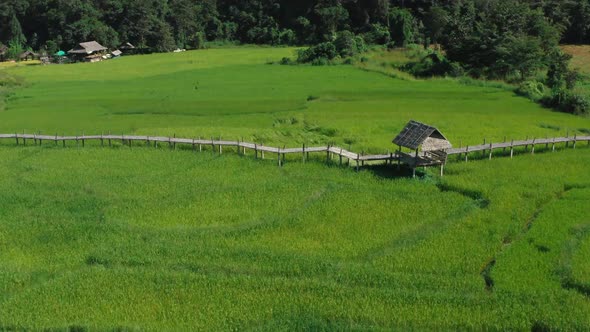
pixel 531 142
pixel 408 159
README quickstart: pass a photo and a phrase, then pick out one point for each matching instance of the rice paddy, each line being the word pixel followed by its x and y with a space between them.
pixel 150 239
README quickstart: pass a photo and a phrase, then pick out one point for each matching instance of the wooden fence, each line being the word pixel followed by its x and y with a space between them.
pixel 259 150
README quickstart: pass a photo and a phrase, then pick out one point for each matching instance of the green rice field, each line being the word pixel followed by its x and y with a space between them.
pixel 157 239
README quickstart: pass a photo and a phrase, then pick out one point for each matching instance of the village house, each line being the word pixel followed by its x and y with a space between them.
pixel 89 51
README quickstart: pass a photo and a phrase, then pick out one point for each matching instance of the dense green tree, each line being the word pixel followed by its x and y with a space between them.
pixel 402 26
pixel 474 32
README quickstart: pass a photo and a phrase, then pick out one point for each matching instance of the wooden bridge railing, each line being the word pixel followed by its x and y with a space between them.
pixel 259 150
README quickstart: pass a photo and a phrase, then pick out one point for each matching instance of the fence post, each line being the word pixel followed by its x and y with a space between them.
pixel 553 145
pixel 303 154
pixel 491 150
pixel 83 140
pixel 24 139
pixel 467 153
pixel 533 149
pixel 284 154
pixel 512 149
pixel 55 139
pixel 64 140
pixel 328 155
pixel 194 146
pixel 279 156
pixel 255 151
pixel 567 142
pixel 101 139
pixel 16 136
pixel 415 164
pixel 575 140
pixel 504 150
pixel 484 149
pixel 110 145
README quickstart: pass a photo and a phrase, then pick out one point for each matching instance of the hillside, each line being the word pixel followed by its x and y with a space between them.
pixel 159 239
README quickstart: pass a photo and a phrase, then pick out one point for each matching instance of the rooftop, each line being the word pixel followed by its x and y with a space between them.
pixel 416 134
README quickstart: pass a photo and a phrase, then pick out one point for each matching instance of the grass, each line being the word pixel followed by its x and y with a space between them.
pixel 233 94
pixel 98 238
pixel 581 61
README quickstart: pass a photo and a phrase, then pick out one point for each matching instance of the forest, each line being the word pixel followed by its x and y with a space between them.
pixel 162 25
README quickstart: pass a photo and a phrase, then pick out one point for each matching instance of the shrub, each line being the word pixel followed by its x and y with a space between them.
pixel 434 64
pixel 568 102
pixel 286 61
pixel 319 53
pixel 531 89
pixel 287 37
pixel 378 34
pixel 197 40
pixel 347 44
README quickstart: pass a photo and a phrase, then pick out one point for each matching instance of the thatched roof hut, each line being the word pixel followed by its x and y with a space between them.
pixel 87 48
pixel 416 135
pixel 28 55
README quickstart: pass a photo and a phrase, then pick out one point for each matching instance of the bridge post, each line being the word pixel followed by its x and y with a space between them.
pixel 279 156
pixel 303 154
pixel 415 164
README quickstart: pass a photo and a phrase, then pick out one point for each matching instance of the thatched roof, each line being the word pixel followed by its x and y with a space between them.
pixel 27 54
pixel 417 134
pixel 116 52
pixel 127 46
pixel 87 48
